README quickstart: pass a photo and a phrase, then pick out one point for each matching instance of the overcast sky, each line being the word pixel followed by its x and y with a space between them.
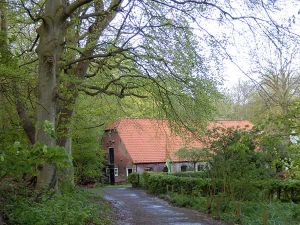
pixel 244 43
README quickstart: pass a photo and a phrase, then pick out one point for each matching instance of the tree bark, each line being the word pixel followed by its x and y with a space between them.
pixel 52 33
pixel 3 27
pixel 49 50
pixel 70 94
pixel 27 124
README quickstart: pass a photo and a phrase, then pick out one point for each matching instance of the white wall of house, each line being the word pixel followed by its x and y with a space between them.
pixel 175 167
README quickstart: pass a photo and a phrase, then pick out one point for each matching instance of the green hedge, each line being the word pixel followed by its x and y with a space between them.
pixel 273 189
pixel 200 174
pixel 134 179
pixel 163 183
pixel 284 190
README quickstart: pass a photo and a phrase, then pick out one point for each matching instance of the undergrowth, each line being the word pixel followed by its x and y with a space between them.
pixel 77 207
pixel 245 213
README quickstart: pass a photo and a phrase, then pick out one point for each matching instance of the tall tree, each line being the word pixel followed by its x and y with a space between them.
pixel 120 48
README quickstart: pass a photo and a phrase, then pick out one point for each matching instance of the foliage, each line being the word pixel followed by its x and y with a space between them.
pixel 74 208
pixel 196 193
pixel 162 183
pixel 294 153
pixel 88 157
pixel 262 190
pixel 236 159
pixel 19 159
pixel 133 178
pixel 88 164
pixel 193 155
pixel 245 213
pixel 199 174
pixel 241 101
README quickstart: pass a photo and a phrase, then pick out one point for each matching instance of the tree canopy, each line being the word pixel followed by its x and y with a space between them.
pixel 166 52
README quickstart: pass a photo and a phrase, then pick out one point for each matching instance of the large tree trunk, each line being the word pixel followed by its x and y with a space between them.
pixel 3 27
pixel 50 48
pixel 52 38
pixel 70 92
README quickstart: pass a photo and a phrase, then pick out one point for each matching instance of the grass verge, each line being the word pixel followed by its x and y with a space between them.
pixel 245 213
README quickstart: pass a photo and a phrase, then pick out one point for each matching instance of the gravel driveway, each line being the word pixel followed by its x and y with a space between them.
pixel 135 207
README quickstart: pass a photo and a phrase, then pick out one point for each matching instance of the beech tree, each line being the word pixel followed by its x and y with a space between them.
pixel 139 48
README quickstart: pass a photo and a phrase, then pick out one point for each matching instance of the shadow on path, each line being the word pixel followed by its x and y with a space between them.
pixel 135 207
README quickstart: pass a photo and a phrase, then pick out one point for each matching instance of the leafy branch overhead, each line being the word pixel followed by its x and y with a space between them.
pixel 164 53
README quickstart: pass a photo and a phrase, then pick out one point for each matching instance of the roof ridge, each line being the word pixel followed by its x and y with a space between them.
pixel 150 118
pixel 230 120
pixel 142 118
pixel 117 122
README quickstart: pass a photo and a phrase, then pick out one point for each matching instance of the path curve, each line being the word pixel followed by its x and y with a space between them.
pixel 135 207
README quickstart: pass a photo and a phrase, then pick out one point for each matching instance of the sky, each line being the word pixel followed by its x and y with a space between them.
pixel 243 43
pixel 241 39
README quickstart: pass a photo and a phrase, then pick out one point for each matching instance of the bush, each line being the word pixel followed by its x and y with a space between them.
pixel 88 160
pixel 160 183
pixel 134 178
pixel 73 208
pixel 181 200
pixel 163 183
pixel 284 190
pixel 201 174
pixel 19 159
pixel 245 213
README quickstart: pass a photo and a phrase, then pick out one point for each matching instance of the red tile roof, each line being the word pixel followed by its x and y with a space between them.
pixel 152 140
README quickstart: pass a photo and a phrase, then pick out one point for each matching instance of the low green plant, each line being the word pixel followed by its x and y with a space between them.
pixel 73 208
pixel 19 159
pixel 199 174
pixel 162 183
pixel 134 179
pixel 243 213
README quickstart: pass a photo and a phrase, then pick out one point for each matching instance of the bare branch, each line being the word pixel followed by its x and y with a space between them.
pixel 33 18
pixel 74 6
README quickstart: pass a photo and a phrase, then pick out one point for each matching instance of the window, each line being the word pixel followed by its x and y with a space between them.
pixel 129 171
pixel 183 168
pixel 148 169
pixel 201 167
pixel 116 172
pixel 165 169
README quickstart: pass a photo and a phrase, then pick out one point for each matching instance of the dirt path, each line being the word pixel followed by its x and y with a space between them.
pixel 135 207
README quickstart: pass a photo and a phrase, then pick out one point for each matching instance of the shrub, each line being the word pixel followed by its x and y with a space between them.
pixel 88 156
pixel 201 174
pixel 73 208
pixel 162 183
pixel 285 190
pixel 144 181
pixel 88 160
pixel 19 159
pixel 181 200
pixel 134 178
pixel 159 183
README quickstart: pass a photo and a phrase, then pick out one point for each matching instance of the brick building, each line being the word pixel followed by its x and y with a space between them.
pixel 138 145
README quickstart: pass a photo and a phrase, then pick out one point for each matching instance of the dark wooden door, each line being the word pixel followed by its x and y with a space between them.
pixel 111 156
pixel 111 166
